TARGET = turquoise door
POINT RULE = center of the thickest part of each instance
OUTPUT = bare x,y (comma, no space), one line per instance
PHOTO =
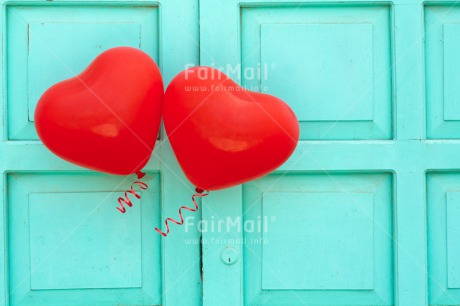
367,210
62,242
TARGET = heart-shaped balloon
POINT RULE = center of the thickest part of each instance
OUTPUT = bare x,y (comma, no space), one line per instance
222,134
106,118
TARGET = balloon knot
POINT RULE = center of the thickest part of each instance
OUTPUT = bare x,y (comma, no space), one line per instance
199,190
140,174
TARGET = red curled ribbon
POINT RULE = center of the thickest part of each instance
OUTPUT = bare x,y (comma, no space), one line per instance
200,193
126,200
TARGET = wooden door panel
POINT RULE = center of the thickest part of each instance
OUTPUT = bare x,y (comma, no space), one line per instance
443,208
330,63
323,238
442,65
64,239
49,43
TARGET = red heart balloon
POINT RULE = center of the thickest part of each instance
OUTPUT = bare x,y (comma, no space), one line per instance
222,134
106,118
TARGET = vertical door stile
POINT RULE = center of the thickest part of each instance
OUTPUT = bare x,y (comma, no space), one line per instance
181,263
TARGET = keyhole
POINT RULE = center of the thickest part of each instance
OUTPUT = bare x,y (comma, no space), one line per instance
229,255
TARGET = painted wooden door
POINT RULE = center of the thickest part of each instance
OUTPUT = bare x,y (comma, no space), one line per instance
61,240
367,210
